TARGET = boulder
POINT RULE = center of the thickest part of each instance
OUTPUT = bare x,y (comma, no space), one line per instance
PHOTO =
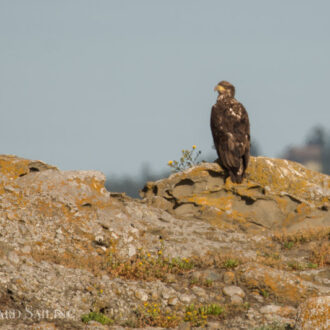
276,194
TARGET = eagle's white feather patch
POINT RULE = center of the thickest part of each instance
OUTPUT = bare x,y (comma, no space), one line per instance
234,114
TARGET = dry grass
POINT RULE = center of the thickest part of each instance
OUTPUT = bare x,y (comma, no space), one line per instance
94,264
314,242
220,261
320,254
273,260
144,266
151,314
289,240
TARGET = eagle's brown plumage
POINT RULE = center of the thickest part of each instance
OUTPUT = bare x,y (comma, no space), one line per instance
231,132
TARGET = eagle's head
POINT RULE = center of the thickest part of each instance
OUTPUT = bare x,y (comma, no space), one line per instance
225,88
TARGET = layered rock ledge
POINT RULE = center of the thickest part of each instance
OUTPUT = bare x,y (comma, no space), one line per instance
276,194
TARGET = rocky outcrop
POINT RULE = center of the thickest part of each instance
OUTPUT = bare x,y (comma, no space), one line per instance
195,250
277,194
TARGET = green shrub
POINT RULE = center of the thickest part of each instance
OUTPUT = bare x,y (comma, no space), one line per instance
98,317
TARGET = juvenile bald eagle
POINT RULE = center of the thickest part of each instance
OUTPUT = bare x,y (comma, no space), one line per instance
231,132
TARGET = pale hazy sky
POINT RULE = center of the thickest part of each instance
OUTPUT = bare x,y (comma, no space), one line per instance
110,85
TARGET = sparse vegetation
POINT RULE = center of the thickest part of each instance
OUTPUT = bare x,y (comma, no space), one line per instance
188,159
183,264
302,236
146,266
193,281
264,293
311,265
197,315
320,254
288,245
219,261
201,282
267,258
274,326
151,314
98,317
212,309
295,265
208,283
230,263
315,241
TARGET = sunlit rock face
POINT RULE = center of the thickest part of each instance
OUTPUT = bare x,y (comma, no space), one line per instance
275,194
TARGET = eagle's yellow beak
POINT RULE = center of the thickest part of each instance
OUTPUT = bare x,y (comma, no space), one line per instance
219,88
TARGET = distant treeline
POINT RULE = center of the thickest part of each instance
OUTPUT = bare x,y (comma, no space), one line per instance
319,136
132,185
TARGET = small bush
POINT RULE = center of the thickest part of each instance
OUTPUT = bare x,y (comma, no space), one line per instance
230,263
212,309
188,159
264,293
197,316
145,266
288,245
151,314
98,317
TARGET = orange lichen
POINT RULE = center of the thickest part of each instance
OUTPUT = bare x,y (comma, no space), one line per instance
285,286
222,203
303,208
13,167
314,313
282,203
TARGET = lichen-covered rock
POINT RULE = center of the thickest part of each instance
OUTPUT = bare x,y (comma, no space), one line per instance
314,314
12,167
68,247
283,311
281,284
279,314
275,194
233,291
